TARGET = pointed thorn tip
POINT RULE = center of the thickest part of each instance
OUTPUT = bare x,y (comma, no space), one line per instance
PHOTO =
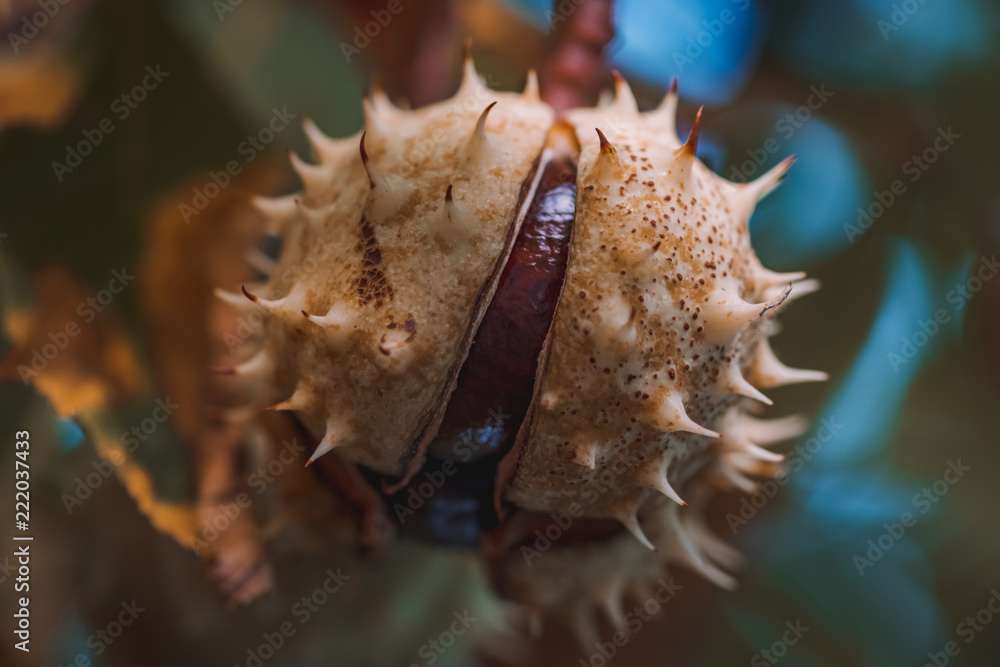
607,148
691,145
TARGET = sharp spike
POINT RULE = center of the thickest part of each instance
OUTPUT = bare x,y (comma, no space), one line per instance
314,177
735,479
745,463
690,146
672,416
735,438
316,217
606,148
299,400
237,301
768,371
376,121
735,383
292,302
798,290
769,431
725,315
654,477
711,545
764,279
325,148
249,295
608,157
631,524
624,99
331,440
381,104
278,211
692,557
531,87
337,318
479,142
764,185
758,452
471,84
313,133
451,215
666,113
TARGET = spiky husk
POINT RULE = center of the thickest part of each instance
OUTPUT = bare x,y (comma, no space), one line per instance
657,350
663,316
390,257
